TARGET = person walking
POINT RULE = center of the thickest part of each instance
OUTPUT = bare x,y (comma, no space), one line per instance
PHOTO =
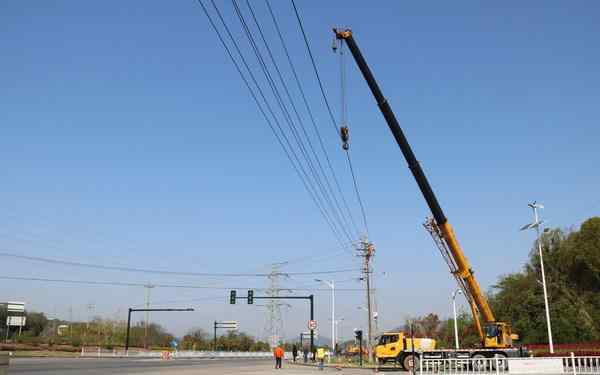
305,352
278,356
294,352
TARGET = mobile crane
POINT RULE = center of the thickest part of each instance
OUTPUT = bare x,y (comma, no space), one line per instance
496,337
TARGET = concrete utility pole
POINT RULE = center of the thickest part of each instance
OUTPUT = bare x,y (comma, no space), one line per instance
148,287
367,251
90,307
536,224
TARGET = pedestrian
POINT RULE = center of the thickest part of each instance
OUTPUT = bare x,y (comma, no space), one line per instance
278,356
294,352
305,352
321,358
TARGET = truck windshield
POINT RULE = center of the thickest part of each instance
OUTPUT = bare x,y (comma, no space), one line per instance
388,339
491,331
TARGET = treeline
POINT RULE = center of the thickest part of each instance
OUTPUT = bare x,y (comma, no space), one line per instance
572,268
198,339
98,332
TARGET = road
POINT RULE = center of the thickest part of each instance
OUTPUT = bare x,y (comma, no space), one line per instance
92,366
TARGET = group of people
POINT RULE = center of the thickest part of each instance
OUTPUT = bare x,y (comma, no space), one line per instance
279,354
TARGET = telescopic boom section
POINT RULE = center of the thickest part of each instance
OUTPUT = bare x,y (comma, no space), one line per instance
464,270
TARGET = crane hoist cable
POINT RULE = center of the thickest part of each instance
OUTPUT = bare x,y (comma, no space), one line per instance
344,129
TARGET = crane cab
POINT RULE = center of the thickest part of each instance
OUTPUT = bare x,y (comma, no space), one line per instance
498,335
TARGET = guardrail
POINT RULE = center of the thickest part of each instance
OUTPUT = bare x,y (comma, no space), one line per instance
546,365
132,353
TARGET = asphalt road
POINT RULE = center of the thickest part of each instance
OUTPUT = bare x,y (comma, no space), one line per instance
92,366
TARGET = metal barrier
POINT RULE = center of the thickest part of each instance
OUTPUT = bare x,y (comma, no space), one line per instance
134,353
496,365
547,365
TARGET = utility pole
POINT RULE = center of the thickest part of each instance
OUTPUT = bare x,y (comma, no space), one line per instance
71,322
90,307
148,287
366,250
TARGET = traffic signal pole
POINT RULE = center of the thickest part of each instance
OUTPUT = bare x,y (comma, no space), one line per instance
251,297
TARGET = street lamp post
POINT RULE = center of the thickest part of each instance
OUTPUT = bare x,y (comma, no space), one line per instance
536,224
332,286
457,291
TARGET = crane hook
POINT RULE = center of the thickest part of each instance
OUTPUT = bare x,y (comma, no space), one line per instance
345,135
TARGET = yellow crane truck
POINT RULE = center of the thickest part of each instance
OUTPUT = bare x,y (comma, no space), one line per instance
496,337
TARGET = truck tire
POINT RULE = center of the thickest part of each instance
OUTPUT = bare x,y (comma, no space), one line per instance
408,361
478,361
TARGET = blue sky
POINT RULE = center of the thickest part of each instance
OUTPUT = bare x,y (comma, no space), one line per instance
128,138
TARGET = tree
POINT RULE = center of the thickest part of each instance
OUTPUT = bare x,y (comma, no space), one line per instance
572,266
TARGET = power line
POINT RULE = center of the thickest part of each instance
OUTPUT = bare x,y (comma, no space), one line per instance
310,113
291,155
159,272
288,117
167,286
332,117
339,211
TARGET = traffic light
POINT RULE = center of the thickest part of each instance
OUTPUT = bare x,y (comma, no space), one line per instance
250,297
232,296
358,335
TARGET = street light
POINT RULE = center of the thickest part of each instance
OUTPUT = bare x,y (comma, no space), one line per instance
457,291
536,225
332,286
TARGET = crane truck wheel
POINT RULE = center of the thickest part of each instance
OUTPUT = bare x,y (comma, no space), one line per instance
409,361
478,361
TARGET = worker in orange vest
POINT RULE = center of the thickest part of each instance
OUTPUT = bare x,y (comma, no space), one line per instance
278,356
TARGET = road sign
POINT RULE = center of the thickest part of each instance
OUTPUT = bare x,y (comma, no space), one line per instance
227,324
312,325
15,321
15,306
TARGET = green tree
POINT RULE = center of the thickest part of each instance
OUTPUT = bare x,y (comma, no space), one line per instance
572,266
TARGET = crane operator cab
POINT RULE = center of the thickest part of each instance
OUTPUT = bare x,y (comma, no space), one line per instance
498,335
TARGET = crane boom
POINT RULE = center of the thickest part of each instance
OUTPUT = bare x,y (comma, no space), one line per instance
463,270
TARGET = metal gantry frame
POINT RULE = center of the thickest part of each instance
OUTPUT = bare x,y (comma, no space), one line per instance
310,298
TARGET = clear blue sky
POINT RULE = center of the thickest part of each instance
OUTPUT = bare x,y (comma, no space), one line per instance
128,138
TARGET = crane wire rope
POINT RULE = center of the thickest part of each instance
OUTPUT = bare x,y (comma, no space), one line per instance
291,155
301,122
311,115
288,117
332,117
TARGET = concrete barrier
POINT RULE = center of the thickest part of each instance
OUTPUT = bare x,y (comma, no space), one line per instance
4,360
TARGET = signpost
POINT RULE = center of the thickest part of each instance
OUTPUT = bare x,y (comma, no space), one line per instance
16,321
16,316
312,325
18,307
